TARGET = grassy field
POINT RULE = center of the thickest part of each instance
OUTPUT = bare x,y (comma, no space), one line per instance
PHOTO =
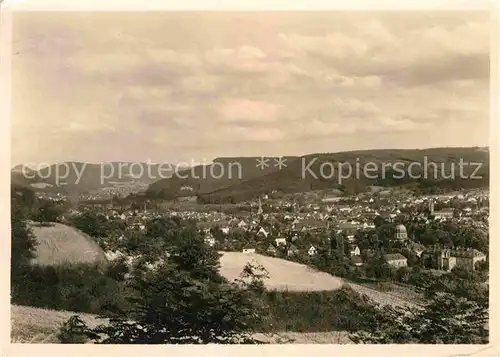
290,276
34,325
283,274
60,243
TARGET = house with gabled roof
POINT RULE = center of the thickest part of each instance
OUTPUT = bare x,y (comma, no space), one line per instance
271,250
417,248
310,224
262,232
354,250
312,251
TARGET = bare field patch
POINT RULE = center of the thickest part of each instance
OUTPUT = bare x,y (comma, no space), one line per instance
283,274
60,243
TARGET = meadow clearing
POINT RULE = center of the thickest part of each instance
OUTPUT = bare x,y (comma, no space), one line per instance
60,243
283,274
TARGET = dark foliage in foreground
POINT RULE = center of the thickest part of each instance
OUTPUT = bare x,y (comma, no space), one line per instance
445,319
186,301
338,310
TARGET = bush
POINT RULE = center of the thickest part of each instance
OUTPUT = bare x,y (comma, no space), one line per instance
80,287
75,331
318,311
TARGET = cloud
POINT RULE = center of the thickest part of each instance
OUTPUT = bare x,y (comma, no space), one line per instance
200,83
235,110
388,124
107,62
420,56
249,83
354,107
226,134
164,118
165,56
245,59
142,92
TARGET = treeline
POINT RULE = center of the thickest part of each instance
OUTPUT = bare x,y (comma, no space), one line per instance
73,287
44,211
319,311
351,186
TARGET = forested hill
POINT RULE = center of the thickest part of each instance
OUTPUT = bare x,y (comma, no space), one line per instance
314,171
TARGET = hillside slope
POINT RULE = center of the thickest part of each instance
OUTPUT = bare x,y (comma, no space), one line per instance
283,274
222,173
35,325
60,243
314,172
79,177
291,276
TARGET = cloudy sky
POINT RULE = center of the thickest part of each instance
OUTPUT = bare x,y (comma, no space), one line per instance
173,87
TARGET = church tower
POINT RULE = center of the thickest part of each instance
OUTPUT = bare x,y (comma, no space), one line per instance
260,210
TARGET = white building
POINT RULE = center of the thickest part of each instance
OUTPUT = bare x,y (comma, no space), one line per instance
312,251
280,241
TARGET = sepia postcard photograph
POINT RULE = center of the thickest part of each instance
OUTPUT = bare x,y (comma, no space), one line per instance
248,177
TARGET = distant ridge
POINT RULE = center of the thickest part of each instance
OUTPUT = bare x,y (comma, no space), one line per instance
73,176
222,173
290,178
242,177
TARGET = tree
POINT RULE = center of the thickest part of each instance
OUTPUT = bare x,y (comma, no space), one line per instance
75,331
193,255
162,227
185,300
92,224
411,256
23,244
386,234
173,307
118,269
252,276
446,319
379,221
22,200
403,274
377,267
47,212
482,266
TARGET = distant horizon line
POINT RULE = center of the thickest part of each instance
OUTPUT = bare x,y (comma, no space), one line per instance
250,157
